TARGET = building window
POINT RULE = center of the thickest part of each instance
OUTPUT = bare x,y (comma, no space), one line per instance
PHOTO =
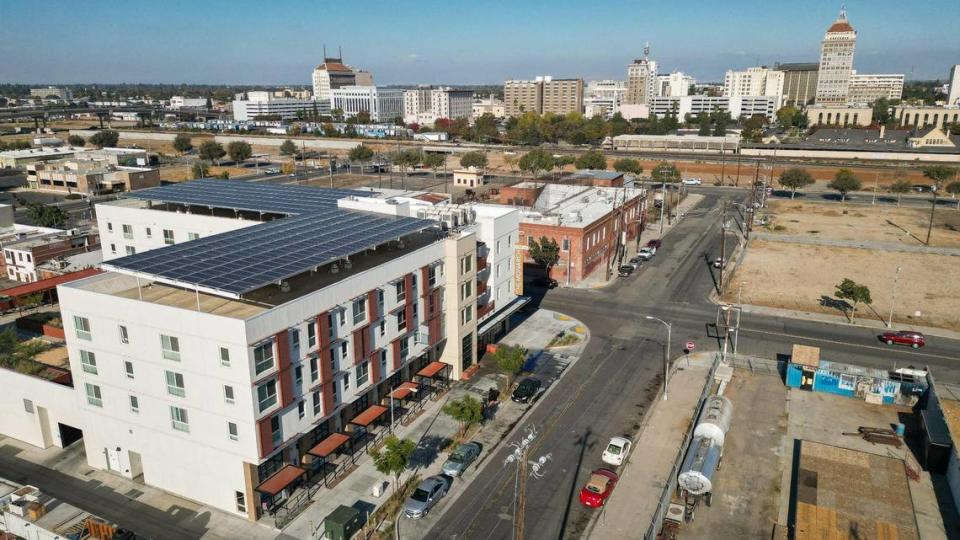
402,320
314,368
168,237
130,250
404,348
88,361
93,395
343,350
566,244
301,409
466,315
263,357
267,395
193,236
498,247
127,232
241,502
298,375
228,393
346,381
383,328
432,276
466,349
466,264
128,368
178,417
224,356
113,249
316,402
110,226
175,384
149,233
401,291
275,434
82,326
311,335
234,436
170,347
28,405
466,290
363,374
134,404
359,310
124,336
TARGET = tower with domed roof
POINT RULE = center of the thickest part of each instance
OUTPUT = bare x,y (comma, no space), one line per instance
836,62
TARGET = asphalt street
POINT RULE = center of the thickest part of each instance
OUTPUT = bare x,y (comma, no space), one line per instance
607,391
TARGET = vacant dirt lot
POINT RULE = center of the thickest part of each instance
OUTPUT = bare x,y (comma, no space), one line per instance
864,223
798,277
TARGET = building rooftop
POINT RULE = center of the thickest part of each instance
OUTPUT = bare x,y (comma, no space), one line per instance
798,66
600,175
572,205
43,151
893,140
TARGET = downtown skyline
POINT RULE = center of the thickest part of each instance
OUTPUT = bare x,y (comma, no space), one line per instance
217,43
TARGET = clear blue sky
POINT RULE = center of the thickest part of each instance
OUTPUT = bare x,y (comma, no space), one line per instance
453,41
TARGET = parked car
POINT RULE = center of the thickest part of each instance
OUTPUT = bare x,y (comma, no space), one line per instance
647,253
718,262
427,494
692,181
598,488
655,243
528,391
904,337
272,171
545,282
636,261
625,270
617,451
461,458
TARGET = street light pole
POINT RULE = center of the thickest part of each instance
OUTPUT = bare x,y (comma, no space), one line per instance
666,359
893,297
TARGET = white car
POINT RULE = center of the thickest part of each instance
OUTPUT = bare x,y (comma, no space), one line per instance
692,181
647,253
617,451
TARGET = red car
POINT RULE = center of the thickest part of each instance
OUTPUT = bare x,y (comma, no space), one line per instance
654,244
598,488
904,337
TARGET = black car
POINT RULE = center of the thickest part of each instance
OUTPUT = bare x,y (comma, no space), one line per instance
545,282
626,270
527,391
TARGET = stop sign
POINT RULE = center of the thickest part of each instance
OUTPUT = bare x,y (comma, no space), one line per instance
691,345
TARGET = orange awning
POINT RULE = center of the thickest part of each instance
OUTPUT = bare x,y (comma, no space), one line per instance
368,416
404,390
281,479
327,446
432,369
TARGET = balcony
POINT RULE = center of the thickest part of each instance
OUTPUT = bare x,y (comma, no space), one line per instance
484,310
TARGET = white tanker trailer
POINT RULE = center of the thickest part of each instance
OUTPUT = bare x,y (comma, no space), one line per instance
695,480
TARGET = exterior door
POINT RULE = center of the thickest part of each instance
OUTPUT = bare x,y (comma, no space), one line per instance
806,379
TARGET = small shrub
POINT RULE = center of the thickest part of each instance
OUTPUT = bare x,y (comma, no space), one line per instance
779,228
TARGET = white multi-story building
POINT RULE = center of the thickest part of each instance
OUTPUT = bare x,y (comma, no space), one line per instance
603,98
953,97
383,104
332,74
865,88
491,105
426,104
836,62
676,84
755,81
263,103
693,105
180,102
63,94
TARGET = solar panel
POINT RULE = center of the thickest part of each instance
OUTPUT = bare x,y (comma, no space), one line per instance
243,260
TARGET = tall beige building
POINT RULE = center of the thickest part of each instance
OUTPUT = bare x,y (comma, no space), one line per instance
641,81
799,82
836,62
543,95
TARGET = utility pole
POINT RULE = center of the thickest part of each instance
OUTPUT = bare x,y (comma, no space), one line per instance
666,359
723,247
663,202
518,457
736,183
933,209
893,297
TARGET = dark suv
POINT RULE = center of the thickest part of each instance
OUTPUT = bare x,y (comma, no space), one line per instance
527,391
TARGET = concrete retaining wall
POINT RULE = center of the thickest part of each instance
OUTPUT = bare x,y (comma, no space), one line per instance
51,403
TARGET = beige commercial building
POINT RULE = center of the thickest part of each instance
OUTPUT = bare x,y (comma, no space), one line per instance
836,62
543,95
641,82
842,116
89,177
799,82
865,88
921,116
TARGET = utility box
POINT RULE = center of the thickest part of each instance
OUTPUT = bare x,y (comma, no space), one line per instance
342,523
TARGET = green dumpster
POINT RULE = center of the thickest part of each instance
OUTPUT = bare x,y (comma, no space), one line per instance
342,523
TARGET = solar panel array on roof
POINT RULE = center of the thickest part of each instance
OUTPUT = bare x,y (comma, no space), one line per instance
240,261
248,196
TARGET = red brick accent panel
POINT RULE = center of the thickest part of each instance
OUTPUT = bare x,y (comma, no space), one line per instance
284,371
323,363
266,436
328,404
374,360
395,349
425,279
373,306
358,346
323,330
434,327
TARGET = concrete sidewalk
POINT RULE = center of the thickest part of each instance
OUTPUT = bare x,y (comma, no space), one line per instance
433,430
631,508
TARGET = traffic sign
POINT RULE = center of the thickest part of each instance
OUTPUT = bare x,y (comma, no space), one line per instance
691,345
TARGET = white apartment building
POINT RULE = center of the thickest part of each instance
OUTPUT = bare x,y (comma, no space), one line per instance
836,62
333,73
866,88
953,97
426,104
603,98
739,106
676,84
383,104
755,81
63,94
262,103
180,102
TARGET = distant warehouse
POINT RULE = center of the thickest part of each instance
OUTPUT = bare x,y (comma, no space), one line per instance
726,144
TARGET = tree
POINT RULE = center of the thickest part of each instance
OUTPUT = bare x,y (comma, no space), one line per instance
211,150
844,182
474,159
466,411
856,293
510,359
363,117
753,128
628,165
786,116
200,170
562,161
900,186
182,143
224,175
938,174
288,148
881,111
795,178
394,457
544,252
44,215
510,160
76,140
953,188
535,161
239,151
720,119
434,162
665,172
105,139
703,123
592,160
361,153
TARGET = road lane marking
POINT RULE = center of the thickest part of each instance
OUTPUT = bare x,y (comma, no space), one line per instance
906,351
